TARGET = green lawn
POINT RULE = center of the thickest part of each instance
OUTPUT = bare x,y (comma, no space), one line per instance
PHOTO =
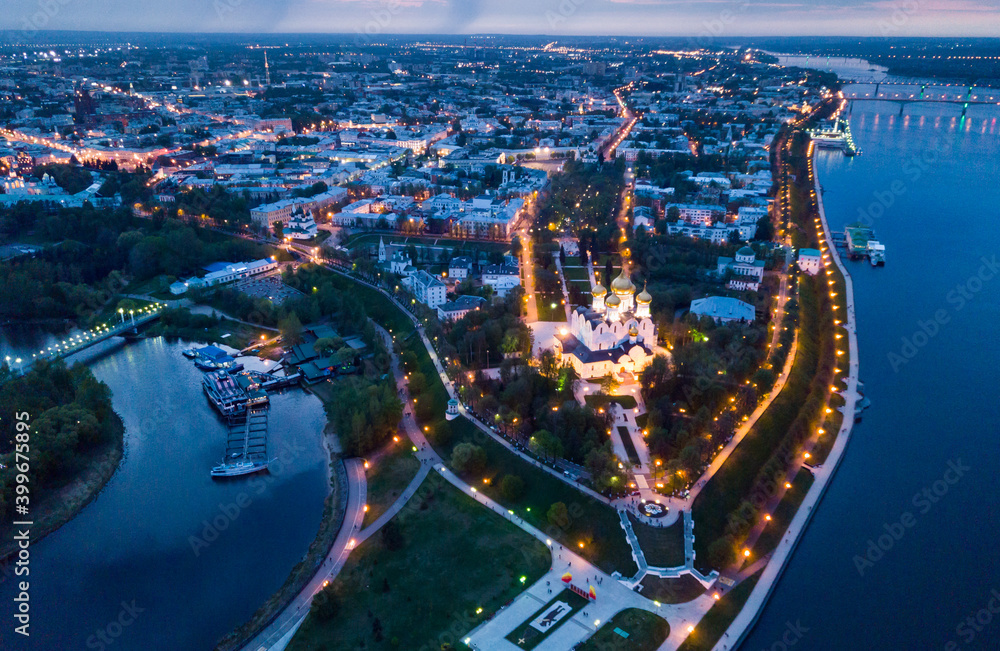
719,617
593,523
576,273
663,547
456,558
527,636
672,591
723,495
645,630
633,456
388,477
783,514
550,307
596,400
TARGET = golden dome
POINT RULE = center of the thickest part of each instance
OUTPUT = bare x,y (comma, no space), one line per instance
598,290
644,298
613,301
622,284
633,331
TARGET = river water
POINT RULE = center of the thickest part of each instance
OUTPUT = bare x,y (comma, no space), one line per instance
884,565
185,558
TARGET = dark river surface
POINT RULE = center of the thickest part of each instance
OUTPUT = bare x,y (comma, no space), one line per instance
185,557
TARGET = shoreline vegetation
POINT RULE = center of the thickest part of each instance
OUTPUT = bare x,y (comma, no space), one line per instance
74,445
64,503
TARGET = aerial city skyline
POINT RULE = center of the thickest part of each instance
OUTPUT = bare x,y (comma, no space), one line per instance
718,18
608,325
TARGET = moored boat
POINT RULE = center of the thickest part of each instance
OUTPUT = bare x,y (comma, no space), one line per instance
238,468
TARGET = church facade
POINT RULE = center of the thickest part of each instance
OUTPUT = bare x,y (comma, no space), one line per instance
615,335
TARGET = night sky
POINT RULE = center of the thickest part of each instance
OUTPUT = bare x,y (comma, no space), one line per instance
612,17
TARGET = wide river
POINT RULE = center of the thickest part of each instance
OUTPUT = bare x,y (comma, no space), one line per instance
186,558
903,547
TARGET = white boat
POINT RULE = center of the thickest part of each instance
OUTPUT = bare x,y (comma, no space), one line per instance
238,468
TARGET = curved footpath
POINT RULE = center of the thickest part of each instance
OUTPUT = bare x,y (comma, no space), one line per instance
747,617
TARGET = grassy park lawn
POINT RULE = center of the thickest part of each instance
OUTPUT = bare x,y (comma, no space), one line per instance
388,476
597,400
646,632
590,522
633,456
530,635
724,493
576,273
546,311
456,557
663,547
672,590
783,514
719,617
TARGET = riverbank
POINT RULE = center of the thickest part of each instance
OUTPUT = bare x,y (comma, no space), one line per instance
62,504
745,620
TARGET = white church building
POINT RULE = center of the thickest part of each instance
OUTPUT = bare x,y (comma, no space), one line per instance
615,335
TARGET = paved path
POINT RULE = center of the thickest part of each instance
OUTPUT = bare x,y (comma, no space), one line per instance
565,289
279,631
527,268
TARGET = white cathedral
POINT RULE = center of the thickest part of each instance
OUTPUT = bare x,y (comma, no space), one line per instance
615,335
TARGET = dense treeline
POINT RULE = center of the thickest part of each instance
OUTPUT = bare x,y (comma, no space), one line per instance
69,413
364,413
321,296
485,337
585,196
95,253
715,378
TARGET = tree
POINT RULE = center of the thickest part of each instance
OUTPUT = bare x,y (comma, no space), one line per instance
326,346
558,515
468,458
609,384
291,329
546,444
608,269
512,488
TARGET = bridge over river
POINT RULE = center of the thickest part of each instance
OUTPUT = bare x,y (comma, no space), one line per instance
128,325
